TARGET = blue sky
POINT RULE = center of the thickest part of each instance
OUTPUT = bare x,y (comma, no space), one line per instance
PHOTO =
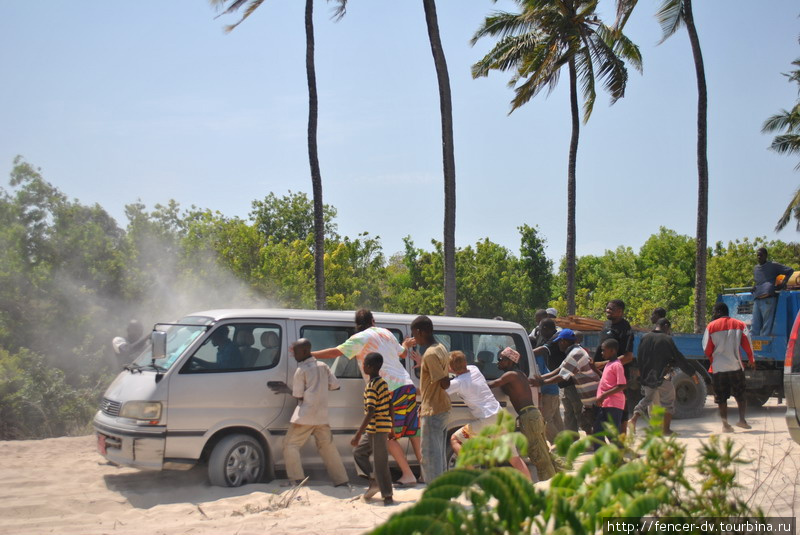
119,101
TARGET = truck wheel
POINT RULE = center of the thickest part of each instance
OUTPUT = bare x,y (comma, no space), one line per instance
236,460
757,398
690,398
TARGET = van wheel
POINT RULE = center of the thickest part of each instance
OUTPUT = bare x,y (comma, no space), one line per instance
235,461
690,398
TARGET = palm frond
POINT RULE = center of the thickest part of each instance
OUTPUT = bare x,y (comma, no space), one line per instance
252,5
339,10
501,24
793,208
506,54
624,10
786,144
670,17
786,120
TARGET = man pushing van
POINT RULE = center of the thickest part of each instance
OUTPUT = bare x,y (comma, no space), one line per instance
371,339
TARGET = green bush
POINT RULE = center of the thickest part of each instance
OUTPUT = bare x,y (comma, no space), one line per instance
623,478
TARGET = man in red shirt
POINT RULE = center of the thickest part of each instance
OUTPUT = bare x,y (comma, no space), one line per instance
723,342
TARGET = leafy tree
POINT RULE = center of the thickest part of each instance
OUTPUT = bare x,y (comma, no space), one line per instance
290,217
672,15
536,266
536,43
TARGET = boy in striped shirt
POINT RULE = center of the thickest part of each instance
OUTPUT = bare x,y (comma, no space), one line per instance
373,436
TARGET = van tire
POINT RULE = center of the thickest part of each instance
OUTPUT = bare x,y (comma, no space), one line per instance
757,398
690,398
236,460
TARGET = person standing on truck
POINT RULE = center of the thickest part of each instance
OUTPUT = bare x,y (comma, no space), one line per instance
765,300
312,381
367,339
434,380
723,342
656,356
618,328
514,383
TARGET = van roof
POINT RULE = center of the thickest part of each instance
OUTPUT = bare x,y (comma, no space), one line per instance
349,315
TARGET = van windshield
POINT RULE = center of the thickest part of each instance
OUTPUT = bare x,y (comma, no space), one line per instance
179,337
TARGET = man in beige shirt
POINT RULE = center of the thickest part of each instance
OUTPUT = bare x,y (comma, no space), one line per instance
312,380
434,409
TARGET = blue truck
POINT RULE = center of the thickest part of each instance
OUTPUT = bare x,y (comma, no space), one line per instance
769,352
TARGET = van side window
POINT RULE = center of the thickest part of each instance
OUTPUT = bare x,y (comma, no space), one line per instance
482,349
323,337
237,347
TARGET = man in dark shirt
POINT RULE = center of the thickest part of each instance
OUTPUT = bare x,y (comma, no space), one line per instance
554,356
655,358
618,328
764,297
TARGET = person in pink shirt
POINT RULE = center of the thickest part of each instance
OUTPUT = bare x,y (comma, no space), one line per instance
610,402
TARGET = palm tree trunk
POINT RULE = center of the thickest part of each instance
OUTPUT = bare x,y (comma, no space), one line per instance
448,157
573,158
701,255
313,159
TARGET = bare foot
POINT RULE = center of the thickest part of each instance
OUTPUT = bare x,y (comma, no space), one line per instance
726,427
372,490
743,424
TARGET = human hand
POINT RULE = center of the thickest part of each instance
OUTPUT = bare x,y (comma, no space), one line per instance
750,365
409,342
416,357
279,387
356,439
536,380
391,435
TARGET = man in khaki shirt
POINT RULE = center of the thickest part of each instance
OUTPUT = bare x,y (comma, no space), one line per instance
435,406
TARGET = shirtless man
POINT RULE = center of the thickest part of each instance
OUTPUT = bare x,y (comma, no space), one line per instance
514,384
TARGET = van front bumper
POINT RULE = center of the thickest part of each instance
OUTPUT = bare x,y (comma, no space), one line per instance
130,445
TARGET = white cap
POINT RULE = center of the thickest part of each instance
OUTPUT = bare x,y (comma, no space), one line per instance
552,312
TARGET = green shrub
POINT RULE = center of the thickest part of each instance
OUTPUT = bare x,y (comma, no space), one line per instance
623,478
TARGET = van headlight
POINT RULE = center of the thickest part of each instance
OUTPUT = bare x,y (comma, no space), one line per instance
142,410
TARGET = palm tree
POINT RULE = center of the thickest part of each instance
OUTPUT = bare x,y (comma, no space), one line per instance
672,15
788,142
448,157
448,151
536,43
313,158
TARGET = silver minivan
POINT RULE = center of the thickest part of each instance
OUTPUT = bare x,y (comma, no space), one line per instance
176,405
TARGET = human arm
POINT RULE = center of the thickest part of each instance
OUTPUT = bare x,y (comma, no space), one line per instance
330,353
370,412
390,436
607,393
747,348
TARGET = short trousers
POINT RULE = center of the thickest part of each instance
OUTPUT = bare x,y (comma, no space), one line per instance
474,428
406,411
727,384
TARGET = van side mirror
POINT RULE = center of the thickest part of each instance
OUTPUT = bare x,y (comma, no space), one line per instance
159,340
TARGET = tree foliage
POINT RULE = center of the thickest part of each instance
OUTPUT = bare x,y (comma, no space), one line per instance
71,278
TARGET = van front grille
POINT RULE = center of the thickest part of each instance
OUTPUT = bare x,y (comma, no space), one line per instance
110,408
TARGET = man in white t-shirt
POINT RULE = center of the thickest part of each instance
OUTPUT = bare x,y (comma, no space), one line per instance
371,339
470,384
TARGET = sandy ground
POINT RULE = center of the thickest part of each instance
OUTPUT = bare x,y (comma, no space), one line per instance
63,486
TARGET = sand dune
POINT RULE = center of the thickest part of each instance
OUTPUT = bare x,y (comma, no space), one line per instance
63,486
